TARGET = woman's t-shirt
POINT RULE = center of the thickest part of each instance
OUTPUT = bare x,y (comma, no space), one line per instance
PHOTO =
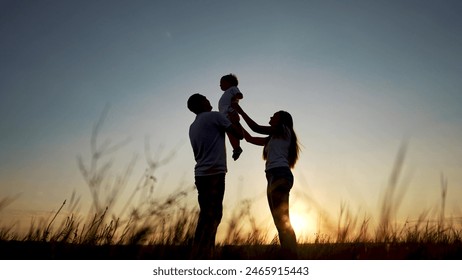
278,151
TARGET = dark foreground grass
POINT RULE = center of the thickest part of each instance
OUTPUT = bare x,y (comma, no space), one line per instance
21,250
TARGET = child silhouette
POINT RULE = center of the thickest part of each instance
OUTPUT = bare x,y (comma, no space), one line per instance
231,94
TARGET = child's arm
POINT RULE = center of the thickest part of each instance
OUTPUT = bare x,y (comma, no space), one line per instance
236,97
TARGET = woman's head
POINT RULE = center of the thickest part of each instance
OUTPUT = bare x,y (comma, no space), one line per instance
280,119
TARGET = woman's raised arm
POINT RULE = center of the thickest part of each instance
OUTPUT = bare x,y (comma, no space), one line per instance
259,141
251,123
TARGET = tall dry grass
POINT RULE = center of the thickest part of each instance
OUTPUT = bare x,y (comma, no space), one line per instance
425,229
147,219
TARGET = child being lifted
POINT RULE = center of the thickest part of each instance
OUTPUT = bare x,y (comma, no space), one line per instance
231,94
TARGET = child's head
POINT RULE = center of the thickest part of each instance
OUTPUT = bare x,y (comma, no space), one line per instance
228,81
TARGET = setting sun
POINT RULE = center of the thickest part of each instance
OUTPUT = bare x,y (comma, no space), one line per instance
301,223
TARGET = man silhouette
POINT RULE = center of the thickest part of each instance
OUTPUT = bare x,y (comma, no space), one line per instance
207,136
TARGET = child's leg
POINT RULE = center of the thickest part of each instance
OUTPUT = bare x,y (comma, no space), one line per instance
235,143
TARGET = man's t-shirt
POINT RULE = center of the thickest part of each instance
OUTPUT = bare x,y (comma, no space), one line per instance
207,136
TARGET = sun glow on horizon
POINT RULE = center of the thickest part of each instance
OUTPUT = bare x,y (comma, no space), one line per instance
302,223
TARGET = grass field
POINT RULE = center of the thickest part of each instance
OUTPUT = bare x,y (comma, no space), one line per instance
163,229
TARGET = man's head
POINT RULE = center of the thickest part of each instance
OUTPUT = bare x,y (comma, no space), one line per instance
197,103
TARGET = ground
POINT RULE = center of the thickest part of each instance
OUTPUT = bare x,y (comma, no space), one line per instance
16,250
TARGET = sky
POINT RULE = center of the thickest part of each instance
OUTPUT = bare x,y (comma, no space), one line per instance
360,78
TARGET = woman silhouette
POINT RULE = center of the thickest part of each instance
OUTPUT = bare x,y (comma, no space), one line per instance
281,150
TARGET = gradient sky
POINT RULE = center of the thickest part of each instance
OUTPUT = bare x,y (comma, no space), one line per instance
359,78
